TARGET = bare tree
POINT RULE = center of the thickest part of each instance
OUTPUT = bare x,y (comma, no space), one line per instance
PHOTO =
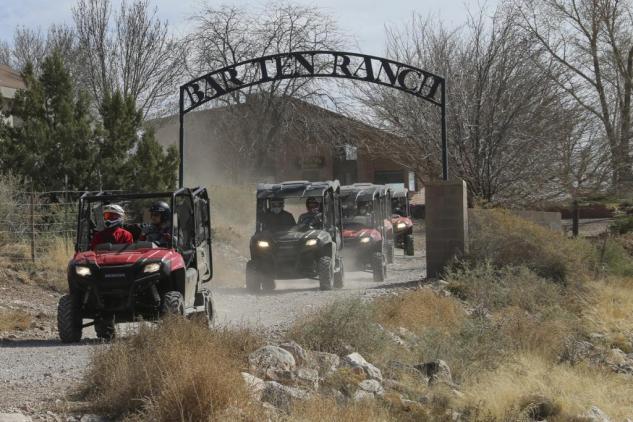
131,52
32,46
589,47
503,114
226,35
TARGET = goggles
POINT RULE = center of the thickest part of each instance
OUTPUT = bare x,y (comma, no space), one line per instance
111,216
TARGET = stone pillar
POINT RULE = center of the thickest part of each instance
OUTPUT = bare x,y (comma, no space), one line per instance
446,224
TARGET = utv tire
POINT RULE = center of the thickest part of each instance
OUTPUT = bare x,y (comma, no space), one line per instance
253,283
408,245
339,275
105,328
379,267
206,317
69,321
326,273
173,304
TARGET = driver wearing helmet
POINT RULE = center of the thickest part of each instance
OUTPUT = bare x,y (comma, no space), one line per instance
113,216
278,219
159,231
314,216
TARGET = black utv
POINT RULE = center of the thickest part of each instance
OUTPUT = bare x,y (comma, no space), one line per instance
367,229
298,234
144,279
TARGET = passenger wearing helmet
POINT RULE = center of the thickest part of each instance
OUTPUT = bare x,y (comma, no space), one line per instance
277,219
313,218
159,231
113,216
363,213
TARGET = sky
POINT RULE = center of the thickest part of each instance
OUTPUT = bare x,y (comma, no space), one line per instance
362,20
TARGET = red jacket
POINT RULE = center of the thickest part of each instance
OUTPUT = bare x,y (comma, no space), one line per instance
116,235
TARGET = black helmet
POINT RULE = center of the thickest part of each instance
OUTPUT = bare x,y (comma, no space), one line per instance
313,200
162,208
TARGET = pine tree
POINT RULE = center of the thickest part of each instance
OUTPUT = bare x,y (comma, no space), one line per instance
130,158
53,143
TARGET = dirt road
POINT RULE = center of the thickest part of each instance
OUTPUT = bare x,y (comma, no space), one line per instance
34,372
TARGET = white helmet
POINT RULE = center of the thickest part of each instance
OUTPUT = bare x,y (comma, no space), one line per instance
113,215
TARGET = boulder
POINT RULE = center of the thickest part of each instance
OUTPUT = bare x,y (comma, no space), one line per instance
282,396
14,417
596,415
362,395
355,360
437,371
371,386
306,377
93,418
255,385
272,362
298,353
324,363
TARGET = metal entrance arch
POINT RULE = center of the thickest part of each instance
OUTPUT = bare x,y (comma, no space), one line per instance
313,64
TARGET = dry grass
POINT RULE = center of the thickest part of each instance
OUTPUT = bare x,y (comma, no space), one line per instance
12,320
573,390
327,410
504,239
420,310
610,311
176,371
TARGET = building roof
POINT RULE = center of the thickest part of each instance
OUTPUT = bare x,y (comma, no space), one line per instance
295,189
10,78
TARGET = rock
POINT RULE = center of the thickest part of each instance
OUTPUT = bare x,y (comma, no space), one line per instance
362,395
596,415
617,357
272,362
324,363
355,360
298,353
255,385
371,386
282,396
14,417
93,418
308,378
395,386
437,371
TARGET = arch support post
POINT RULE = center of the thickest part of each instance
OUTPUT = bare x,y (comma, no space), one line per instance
446,220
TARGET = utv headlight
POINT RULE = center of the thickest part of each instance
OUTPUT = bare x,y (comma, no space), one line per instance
263,244
401,226
311,242
151,268
365,239
82,271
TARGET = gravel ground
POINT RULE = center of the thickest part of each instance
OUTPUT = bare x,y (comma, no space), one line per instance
36,370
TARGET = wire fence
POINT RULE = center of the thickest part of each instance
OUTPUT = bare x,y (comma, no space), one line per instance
35,225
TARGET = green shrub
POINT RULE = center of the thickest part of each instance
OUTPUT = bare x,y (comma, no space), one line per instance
503,239
343,326
622,225
614,258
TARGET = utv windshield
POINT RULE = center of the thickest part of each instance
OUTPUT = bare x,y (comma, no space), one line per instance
146,229
285,214
357,211
399,206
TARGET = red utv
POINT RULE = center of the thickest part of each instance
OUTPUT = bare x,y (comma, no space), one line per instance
401,220
367,230
143,280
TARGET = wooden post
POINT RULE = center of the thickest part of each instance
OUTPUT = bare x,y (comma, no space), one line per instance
32,211
575,217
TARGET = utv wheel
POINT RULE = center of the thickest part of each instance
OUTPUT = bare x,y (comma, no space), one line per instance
253,283
326,273
105,328
207,316
408,245
268,283
339,275
69,321
379,267
173,304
